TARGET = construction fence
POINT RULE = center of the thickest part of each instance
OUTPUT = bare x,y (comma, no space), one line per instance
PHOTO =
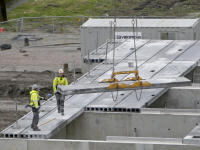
45,31
41,31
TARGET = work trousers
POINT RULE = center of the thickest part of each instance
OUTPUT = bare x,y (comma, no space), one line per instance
60,102
35,117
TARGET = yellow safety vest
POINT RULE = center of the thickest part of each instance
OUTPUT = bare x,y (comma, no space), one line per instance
59,81
34,100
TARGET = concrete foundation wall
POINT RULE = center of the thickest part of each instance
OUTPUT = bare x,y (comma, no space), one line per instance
85,67
179,98
62,134
99,125
14,144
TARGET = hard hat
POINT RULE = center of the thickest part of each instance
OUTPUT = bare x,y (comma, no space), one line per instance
61,71
35,86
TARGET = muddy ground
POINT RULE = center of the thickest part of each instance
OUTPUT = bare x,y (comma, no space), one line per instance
7,117
18,84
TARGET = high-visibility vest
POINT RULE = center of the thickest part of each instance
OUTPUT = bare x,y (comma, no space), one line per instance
34,100
59,81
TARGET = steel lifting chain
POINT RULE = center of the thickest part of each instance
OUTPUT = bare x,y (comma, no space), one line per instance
135,48
114,23
133,23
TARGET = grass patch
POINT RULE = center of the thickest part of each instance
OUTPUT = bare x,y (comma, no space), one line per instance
38,8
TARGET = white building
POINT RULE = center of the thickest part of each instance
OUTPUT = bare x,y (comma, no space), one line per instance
95,32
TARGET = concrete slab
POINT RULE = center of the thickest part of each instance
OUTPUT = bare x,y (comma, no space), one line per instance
177,68
122,50
151,49
150,67
103,87
49,129
174,50
139,99
147,56
192,54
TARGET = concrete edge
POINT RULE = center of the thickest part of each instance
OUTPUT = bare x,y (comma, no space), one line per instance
162,111
145,140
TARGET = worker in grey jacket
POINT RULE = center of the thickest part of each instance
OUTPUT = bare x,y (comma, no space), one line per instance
35,105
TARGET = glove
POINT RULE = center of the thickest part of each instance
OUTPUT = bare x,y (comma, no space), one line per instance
49,95
27,106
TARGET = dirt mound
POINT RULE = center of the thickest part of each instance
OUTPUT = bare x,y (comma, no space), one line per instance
19,84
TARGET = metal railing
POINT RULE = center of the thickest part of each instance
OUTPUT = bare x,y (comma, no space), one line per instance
41,31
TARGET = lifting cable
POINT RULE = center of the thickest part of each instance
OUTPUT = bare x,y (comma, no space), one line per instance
133,23
114,23
134,37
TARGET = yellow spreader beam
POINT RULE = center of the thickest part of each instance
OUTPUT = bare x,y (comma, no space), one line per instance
134,85
116,85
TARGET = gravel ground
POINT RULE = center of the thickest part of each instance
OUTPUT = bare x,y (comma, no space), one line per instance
8,116
40,59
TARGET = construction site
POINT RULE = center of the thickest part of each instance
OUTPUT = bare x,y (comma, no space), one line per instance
133,83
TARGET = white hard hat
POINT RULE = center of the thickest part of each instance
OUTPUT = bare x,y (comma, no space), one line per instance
35,86
61,71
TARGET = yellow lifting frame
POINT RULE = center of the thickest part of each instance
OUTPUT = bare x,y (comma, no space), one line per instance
113,79
123,86
116,85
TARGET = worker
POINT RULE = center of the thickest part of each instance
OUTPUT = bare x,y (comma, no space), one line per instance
60,80
35,105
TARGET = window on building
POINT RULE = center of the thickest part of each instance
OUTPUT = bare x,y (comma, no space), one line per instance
168,36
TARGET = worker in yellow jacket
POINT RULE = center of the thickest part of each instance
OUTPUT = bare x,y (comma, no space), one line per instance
60,80
35,105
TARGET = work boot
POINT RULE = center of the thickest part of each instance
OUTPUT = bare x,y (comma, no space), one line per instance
62,113
58,111
32,126
36,129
